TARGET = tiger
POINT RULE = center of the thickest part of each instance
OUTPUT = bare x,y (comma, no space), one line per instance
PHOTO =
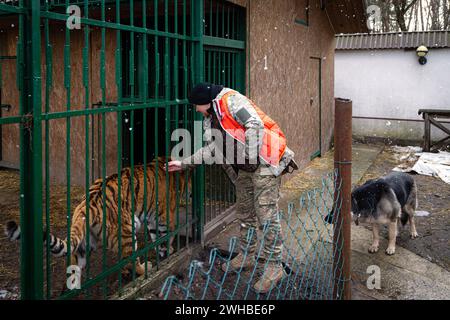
58,247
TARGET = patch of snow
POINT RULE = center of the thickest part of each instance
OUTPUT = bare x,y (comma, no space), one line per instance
431,164
422,213
408,149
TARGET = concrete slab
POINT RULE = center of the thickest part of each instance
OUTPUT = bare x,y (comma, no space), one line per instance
404,276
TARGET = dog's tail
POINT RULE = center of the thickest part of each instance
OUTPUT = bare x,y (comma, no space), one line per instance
404,218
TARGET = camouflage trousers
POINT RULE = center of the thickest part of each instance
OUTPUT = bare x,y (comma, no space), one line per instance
257,196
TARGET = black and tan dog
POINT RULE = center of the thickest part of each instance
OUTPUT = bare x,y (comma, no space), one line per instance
385,201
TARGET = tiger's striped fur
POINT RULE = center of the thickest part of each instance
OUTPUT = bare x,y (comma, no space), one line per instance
58,246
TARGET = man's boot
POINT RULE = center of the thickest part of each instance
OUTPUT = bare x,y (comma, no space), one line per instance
242,260
272,275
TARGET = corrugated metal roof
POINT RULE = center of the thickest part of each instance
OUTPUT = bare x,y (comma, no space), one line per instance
393,40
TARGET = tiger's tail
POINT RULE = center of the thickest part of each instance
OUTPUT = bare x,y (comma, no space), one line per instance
58,247
12,231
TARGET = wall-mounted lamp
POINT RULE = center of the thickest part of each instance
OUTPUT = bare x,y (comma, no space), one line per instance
422,52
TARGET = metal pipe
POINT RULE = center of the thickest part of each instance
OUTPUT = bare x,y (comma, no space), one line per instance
342,225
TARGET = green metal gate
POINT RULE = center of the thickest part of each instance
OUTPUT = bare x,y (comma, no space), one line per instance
112,92
224,51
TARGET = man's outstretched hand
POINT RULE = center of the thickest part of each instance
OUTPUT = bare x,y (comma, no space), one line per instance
174,166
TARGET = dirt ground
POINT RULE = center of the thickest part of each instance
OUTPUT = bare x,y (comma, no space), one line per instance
10,251
211,283
433,243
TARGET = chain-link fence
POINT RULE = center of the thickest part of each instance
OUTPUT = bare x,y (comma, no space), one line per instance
311,257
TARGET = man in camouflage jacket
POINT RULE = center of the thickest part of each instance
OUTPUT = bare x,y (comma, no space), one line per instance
257,182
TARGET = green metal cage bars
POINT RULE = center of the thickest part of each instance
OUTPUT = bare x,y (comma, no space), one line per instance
161,49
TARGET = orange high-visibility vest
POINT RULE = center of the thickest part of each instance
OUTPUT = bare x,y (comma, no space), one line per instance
274,140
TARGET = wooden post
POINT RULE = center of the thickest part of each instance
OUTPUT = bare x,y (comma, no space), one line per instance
342,225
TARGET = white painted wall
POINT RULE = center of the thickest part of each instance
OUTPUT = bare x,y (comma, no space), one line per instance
392,84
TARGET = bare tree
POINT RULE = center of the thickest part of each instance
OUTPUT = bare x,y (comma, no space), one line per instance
421,15
435,5
446,15
413,15
401,8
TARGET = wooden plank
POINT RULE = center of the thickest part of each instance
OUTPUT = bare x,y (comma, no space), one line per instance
439,126
440,142
435,112
213,227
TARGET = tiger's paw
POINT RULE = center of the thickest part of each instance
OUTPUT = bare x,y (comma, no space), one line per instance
143,268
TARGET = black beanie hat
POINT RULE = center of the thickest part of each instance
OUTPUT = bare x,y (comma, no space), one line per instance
204,93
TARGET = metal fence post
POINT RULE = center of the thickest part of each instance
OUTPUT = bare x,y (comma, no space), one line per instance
31,266
198,69
342,225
